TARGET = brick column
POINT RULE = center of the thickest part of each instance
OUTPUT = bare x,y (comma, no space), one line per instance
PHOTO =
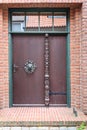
75,42
76,56
84,57
5,59
1,59
4,84
72,41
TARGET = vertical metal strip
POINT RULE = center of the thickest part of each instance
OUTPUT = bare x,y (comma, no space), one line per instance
25,20
38,21
10,61
46,71
52,21
68,60
10,22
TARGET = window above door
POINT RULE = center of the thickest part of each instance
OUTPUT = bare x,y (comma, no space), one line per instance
38,21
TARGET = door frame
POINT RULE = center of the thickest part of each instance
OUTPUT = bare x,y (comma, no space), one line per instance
67,33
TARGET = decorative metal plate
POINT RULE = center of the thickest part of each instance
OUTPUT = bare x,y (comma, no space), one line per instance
30,67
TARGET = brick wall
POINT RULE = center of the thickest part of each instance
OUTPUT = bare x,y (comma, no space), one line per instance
84,58
4,84
78,48
75,41
1,59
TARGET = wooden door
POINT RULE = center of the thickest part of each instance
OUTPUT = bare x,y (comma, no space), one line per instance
58,86
28,88
49,55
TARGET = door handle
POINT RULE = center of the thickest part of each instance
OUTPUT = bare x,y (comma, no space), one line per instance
29,67
15,67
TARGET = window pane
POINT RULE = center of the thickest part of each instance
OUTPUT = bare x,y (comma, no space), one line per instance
18,21
60,21
31,22
45,21
39,21
16,26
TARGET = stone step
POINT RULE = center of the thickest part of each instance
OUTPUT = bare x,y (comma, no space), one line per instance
38,128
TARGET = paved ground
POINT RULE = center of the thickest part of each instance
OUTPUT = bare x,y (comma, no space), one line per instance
40,116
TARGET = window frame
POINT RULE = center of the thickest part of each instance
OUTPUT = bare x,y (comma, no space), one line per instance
38,10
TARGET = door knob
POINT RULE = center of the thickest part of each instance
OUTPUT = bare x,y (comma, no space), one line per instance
30,66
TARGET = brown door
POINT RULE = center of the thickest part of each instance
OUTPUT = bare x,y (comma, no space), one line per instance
29,88
57,69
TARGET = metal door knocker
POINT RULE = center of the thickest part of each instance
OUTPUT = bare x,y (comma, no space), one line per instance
30,66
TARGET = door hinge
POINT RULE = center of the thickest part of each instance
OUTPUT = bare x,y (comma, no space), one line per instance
57,93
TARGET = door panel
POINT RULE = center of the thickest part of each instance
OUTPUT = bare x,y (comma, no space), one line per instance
28,88
57,69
